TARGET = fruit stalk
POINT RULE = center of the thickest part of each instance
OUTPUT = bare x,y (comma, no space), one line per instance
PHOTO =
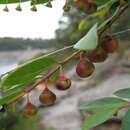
44,77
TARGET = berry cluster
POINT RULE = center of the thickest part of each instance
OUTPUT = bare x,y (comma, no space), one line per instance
84,69
47,97
86,6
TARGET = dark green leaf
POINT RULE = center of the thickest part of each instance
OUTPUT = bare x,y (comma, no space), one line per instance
17,1
10,97
98,118
125,93
103,1
89,41
126,121
107,102
12,89
27,72
106,24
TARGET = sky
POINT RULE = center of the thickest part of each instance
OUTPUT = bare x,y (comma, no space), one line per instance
28,24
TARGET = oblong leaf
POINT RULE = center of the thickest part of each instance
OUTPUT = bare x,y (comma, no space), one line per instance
98,118
107,102
89,41
17,1
126,121
125,93
104,1
27,72
10,97
12,89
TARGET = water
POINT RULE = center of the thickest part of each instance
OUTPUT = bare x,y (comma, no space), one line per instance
7,67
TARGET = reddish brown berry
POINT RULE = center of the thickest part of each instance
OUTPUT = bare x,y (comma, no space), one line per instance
123,3
86,6
49,4
85,68
30,110
63,83
109,44
98,55
47,97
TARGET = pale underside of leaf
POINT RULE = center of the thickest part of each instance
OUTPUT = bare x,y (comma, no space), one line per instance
89,41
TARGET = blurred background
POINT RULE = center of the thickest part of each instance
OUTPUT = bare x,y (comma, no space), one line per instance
27,35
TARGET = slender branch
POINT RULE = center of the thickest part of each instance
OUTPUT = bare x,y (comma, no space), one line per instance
44,77
121,32
125,106
65,48
57,68
103,27
52,53
57,51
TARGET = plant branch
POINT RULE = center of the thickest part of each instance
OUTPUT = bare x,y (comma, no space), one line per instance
44,77
125,106
103,27
121,32
52,53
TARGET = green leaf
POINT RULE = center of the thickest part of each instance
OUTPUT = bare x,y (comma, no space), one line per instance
101,1
106,24
26,72
10,97
104,9
89,41
104,1
12,89
126,121
98,118
84,25
17,1
125,93
39,1
107,102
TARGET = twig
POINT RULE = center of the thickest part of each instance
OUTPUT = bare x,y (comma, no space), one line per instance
67,47
125,106
121,32
52,53
44,77
103,27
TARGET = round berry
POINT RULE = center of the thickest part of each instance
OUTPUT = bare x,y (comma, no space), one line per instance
30,110
63,83
86,6
85,68
47,97
97,55
109,44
